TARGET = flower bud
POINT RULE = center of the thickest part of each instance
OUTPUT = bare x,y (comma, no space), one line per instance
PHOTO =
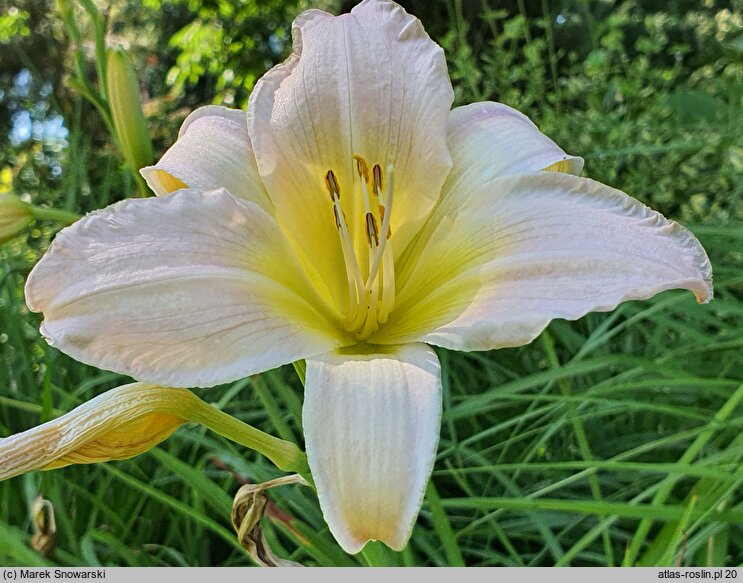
15,215
63,7
125,422
126,111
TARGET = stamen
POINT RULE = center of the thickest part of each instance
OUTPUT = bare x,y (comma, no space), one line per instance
332,185
335,214
371,293
363,172
377,180
353,272
362,168
374,267
356,299
370,299
372,231
381,214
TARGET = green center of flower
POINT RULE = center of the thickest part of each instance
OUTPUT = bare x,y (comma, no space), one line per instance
371,290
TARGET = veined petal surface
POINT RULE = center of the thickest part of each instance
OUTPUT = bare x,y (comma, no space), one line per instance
516,253
488,140
192,289
213,150
116,425
371,424
370,83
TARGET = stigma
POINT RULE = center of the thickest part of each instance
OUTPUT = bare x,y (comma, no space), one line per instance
364,243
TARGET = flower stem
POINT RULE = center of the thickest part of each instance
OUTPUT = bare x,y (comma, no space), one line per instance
56,215
284,454
377,555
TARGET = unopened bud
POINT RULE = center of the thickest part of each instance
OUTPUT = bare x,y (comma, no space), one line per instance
63,6
126,111
15,215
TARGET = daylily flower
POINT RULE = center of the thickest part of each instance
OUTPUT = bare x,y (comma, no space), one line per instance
351,219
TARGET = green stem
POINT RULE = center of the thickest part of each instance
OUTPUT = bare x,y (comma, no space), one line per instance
99,24
284,454
80,80
24,406
547,16
56,215
87,91
376,554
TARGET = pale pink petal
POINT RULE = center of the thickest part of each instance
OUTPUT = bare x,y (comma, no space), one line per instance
370,83
371,424
495,265
213,150
488,140
192,289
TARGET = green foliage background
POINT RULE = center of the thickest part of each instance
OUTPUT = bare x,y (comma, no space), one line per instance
611,440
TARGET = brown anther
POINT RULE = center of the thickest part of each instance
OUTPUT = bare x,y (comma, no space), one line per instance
377,180
372,231
332,185
361,167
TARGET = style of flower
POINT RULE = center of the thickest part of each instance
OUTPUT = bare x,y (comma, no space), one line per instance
351,219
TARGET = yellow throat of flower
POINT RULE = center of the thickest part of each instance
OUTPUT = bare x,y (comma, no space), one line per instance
368,259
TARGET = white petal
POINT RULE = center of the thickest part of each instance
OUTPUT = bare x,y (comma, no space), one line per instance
192,289
369,83
371,425
504,260
213,150
488,140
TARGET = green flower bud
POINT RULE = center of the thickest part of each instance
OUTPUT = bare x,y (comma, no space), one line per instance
63,7
126,111
15,215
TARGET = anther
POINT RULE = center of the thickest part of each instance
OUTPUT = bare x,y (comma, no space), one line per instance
372,231
362,168
332,185
374,267
377,180
371,297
